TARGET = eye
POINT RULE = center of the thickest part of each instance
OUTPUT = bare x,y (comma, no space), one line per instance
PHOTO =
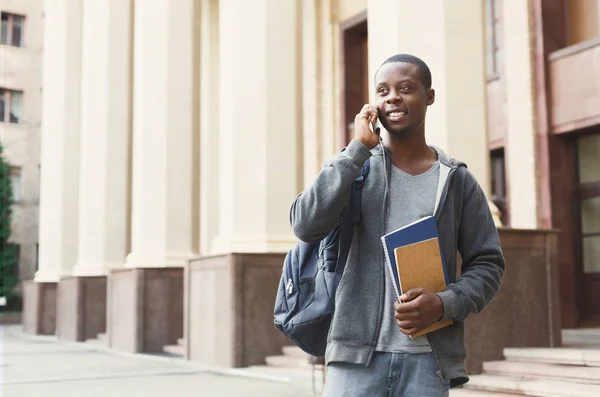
404,88
382,90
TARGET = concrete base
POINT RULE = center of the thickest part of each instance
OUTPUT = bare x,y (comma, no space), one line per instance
526,311
81,308
145,308
39,308
229,309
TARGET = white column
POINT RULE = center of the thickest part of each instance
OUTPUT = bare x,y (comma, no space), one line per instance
163,128
520,115
105,135
449,37
209,124
60,140
260,115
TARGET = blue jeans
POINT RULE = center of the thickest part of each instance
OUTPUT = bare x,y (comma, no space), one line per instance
388,375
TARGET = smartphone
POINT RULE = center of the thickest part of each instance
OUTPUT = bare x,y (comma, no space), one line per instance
375,127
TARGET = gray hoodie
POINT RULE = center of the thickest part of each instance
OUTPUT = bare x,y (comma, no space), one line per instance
465,225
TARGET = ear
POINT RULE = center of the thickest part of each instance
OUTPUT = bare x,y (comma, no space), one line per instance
430,97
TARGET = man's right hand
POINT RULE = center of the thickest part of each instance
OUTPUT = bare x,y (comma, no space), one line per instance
362,129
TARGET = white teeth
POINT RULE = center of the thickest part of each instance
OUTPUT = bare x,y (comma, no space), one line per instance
394,114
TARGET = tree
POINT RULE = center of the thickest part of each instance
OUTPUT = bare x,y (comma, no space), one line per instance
8,255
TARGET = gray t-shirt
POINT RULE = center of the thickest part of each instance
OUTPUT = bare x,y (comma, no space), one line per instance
411,197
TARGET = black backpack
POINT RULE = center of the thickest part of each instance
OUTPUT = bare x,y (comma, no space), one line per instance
310,276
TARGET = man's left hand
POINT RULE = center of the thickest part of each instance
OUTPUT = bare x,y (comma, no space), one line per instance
420,309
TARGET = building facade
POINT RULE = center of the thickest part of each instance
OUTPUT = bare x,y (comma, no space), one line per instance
543,126
178,131
21,39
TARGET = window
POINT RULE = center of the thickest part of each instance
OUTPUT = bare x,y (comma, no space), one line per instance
10,105
492,34
588,236
588,150
15,179
11,30
499,184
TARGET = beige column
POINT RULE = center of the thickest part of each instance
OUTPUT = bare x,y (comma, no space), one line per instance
259,120
209,124
311,90
105,135
520,115
330,83
163,140
449,37
59,189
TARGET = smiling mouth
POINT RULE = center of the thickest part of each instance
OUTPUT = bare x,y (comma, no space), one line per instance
396,114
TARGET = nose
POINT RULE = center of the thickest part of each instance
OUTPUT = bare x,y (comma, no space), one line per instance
393,96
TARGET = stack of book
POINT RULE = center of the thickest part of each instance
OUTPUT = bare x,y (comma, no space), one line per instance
414,260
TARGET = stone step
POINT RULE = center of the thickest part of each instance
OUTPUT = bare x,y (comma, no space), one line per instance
97,342
176,350
287,362
527,370
563,356
591,332
581,338
294,351
462,392
531,387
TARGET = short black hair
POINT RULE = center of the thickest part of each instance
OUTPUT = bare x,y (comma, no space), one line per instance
418,62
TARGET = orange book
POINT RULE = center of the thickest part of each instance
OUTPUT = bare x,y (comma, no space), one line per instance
420,265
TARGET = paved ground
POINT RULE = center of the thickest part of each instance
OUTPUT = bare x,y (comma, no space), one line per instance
45,367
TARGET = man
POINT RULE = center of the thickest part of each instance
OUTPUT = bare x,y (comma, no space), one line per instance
369,352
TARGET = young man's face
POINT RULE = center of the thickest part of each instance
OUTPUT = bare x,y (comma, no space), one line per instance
401,98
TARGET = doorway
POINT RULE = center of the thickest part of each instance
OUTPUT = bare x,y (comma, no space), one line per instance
354,70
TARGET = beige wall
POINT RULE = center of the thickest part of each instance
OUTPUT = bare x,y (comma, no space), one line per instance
21,69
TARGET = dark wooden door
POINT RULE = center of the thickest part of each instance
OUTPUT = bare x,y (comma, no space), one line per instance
588,164
355,84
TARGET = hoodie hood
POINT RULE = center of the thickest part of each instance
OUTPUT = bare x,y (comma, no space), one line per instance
443,157
447,168
447,160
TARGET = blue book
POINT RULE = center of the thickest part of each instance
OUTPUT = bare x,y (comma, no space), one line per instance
421,230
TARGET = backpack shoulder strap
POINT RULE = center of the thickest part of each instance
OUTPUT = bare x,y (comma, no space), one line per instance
356,196
354,208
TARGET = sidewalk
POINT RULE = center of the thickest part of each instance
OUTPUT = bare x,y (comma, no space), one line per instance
34,366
